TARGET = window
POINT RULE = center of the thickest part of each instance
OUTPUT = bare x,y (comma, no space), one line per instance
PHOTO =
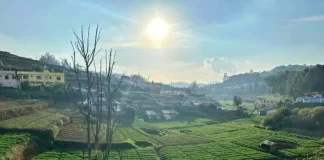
14,76
58,78
25,77
39,77
6,77
50,77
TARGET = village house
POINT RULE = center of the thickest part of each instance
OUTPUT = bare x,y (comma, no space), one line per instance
49,75
270,146
9,79
266,111
314,97
151,115
169,114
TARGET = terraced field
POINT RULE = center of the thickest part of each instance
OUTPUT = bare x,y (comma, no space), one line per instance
7,141
76,131
131,154
200,139
39,120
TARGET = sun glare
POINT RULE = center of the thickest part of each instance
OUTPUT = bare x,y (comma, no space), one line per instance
157,29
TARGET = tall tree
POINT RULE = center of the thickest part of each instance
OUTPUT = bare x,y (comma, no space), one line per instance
194,86
111,94
1,64
88,56
49,59
237,101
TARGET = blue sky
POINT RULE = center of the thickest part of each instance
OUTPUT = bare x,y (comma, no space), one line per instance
205,38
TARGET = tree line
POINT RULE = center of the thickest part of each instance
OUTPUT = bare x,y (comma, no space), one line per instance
297,83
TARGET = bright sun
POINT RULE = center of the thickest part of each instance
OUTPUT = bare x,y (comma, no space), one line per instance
157,29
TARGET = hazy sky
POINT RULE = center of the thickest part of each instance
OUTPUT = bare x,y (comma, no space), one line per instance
205,38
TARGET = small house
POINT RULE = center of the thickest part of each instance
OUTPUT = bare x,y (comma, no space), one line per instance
151,115
9,79
270,146
310,100
169,114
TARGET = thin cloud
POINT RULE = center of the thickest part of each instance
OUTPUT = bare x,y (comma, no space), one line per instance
316,18
102,10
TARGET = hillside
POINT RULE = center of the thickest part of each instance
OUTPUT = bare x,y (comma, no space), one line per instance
247,85
13,61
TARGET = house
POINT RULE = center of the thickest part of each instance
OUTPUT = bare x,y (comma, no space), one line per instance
310,100
151,115
46,77
169,114
266,111
9,79
270,146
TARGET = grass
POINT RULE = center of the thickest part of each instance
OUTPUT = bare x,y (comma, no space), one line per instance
229,105
76,131
181,138
182,124
273,97
8,141
130,154
39,120
12,109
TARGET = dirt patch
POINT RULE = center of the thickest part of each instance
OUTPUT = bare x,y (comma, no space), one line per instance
16,152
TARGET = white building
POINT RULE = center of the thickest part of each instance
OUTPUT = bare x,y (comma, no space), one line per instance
9,79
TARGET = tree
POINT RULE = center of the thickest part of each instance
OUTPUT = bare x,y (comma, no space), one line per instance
225,78
237,101
84,104
49,59
1,64
111,92
194,86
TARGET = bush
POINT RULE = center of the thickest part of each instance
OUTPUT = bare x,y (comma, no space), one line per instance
307,118
14,93
143,143
128,117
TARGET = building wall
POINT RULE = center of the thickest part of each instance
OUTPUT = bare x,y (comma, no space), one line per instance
41,78
9,79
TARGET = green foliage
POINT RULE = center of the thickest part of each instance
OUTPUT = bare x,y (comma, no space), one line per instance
25,85
14,93
128,116
237,101
296,83
37,68
307,118
10,140
49,59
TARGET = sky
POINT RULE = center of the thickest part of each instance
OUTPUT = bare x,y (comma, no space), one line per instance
205,39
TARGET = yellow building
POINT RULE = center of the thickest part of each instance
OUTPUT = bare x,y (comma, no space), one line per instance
41,78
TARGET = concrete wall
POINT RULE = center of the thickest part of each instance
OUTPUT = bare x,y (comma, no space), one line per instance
9,79
41,78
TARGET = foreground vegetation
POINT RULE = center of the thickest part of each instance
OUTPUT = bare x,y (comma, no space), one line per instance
184,137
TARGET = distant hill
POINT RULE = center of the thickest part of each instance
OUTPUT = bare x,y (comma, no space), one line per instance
13,61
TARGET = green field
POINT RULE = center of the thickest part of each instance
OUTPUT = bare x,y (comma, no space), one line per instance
199,138
229,105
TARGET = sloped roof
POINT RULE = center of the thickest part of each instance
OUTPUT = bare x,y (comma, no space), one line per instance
150,113
169,112
269,143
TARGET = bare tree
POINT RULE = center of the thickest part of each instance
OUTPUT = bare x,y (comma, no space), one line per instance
105,92
112,121
88,55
